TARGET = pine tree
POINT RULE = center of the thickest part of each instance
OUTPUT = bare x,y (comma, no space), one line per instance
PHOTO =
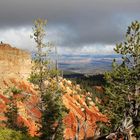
122,92
12,111
46,78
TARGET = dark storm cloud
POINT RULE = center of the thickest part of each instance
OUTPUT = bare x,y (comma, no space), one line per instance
87,21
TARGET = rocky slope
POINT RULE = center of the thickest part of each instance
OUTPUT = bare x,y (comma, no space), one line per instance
82,109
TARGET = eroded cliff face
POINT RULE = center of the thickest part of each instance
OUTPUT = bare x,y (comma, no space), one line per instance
82,111
14,62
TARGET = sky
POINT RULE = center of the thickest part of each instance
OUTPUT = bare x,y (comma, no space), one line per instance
74,26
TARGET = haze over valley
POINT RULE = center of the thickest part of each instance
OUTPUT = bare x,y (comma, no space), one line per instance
87,64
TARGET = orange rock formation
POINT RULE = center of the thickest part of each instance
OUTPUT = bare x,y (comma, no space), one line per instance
86,113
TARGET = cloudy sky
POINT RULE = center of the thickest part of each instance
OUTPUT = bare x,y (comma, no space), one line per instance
75,26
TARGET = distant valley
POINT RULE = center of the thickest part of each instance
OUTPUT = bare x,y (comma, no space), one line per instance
87,64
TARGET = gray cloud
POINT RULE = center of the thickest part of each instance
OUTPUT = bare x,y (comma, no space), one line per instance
77,22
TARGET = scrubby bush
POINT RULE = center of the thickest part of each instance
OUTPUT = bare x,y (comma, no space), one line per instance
9,134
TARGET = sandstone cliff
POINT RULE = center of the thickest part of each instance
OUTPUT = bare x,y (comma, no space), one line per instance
14,62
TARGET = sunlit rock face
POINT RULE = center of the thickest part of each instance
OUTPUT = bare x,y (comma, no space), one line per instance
83,113
14,62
